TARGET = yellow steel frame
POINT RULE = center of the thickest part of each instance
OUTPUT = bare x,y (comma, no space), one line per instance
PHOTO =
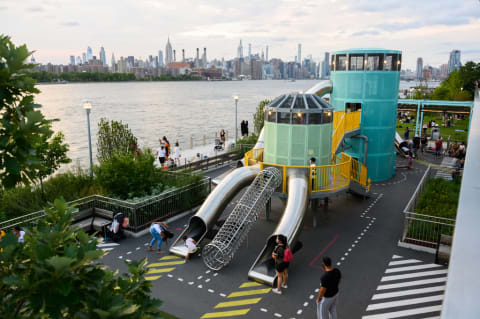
344,122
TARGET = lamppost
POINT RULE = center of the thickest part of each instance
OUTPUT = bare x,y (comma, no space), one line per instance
87,105
235,97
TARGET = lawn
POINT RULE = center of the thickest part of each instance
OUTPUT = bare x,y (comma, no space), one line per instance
444,131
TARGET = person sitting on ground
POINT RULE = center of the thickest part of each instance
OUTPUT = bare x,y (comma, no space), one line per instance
19,233
191,246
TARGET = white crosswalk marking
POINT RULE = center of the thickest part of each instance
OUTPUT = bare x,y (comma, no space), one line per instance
405,294
107,246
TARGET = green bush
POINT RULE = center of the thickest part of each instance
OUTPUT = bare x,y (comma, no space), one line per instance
440,198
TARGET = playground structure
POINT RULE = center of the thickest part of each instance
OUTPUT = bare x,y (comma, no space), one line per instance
352,140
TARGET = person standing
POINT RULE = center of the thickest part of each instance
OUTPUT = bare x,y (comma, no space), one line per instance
19,233
280,266
246,128
424,142
157,231
438,147
406,134
314,171
222,137
161,155
176,154
328,295
167,147
242,127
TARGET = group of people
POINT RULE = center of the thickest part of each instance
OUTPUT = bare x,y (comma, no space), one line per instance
244,128
165,156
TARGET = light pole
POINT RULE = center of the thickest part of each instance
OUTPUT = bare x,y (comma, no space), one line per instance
87,105
235,97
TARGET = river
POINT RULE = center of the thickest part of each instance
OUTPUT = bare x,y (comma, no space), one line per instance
179,110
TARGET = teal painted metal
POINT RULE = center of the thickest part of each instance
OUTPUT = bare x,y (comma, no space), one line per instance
377,91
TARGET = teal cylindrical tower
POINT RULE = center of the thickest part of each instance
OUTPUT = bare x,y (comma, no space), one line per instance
297,127
368,79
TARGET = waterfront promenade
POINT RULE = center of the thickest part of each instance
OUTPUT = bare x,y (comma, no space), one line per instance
379,278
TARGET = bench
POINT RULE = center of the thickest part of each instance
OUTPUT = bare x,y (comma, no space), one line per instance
444,249
92,219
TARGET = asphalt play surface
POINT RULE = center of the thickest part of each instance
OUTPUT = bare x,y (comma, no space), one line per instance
360,235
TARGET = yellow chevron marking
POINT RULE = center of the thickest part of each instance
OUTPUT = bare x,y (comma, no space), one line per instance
242,302
159,270
250,284
168,263
249,292
170,257
151,278
222,314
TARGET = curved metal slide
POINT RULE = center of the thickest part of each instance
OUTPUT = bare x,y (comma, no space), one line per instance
263,269
214,205
321,88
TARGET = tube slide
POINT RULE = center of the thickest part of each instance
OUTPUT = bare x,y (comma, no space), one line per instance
321,88
263,269
214,205
398,142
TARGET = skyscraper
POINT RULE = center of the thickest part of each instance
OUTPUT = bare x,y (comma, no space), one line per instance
454,61
266,54
32,59
168,53
72,60
249,51
183,55
103,58
160,58
299,53
84,58
197,60
419,68
89,54
79,60
204,58
240,50
113,63
326,66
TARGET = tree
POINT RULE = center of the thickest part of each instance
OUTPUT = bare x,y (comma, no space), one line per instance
114,138
56,274
470,73
52,152
22,126
452,89
259,116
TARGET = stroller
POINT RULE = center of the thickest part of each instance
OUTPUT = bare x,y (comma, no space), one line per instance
115,230
218,145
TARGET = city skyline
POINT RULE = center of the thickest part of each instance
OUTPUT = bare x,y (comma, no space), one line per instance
68,26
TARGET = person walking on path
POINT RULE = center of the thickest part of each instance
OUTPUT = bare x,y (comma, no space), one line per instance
161,155
157,230
406,134
19,233
328,294
278,255
191,245
177,154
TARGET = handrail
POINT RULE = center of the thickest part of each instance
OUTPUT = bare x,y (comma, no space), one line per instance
342,123
324,178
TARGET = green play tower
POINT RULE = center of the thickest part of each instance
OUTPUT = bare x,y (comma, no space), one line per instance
297,127
368,80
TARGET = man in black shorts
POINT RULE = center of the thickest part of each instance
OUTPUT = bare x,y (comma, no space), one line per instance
328,294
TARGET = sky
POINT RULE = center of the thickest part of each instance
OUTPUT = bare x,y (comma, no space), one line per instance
56,29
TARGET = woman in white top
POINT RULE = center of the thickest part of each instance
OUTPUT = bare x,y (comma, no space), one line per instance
19,233
176,154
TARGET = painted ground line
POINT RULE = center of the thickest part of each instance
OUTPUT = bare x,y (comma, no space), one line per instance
207,280
263,309
277,315
138,248
404,313
199,277
396,257
408,292
249,292
299,311
223,295
151,278
180,279
107,245
223,314
236,303
312,263
250,284
128,260
405,302
413,283
159,270
416,274
211,291
200,286
128,253
170,276
107,249
409,268
170,257
168,263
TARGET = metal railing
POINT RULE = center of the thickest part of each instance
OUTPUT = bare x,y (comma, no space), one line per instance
324,178
342,123
424,230
140,214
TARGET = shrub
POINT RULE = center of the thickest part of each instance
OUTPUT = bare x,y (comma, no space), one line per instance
440,198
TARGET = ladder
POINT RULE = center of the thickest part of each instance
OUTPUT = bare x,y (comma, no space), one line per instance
220,251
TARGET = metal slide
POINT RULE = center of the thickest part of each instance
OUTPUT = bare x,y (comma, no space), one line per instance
220,251
398,141
321,88
214,205
263,269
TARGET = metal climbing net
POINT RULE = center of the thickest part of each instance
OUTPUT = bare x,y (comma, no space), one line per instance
220,251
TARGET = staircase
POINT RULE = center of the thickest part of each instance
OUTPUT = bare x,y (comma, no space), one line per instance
344,124
220,251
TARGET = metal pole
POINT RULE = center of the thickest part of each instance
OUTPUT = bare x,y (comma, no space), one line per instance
90,143
236,133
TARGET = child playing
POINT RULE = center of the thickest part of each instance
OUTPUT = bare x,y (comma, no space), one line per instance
191,246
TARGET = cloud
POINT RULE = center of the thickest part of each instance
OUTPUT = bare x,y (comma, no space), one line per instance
70,24
35,9
280,39
366,32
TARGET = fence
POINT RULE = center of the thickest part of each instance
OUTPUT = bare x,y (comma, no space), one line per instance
423,231
140,214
